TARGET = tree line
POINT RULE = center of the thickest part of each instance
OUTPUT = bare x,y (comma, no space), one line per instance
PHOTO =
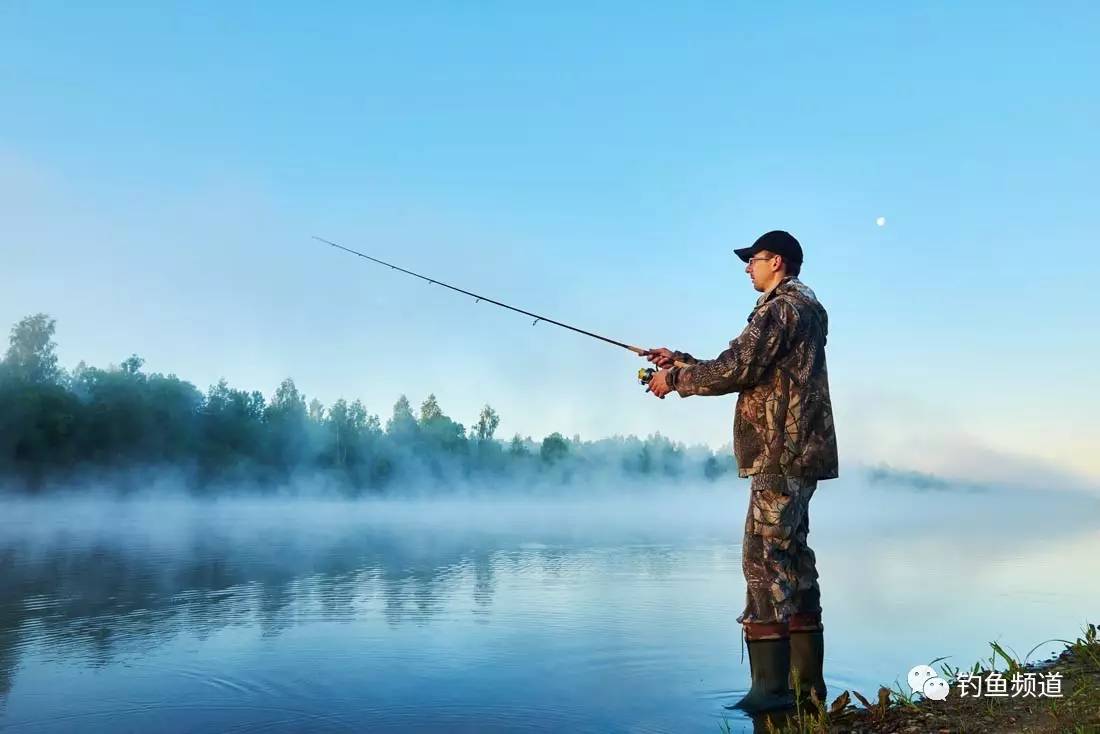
57,424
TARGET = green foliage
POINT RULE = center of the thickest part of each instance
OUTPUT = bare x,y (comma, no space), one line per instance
286,420
287,403
30,356
40,425
487,423
132,365
123,418
430,411
554,448
231,427
401,424
517,448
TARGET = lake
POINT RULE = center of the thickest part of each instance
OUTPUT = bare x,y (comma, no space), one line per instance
610,612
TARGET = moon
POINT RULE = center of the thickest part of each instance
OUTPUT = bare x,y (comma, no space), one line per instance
881,221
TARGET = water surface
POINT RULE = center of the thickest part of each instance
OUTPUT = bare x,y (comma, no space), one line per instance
611,614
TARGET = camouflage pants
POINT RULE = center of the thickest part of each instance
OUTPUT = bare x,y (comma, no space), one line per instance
780,569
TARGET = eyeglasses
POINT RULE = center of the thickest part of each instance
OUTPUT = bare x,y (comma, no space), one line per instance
754,259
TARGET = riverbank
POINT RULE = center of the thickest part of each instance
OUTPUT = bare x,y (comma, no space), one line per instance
1003,694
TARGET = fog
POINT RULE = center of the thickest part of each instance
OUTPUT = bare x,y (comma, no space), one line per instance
261,557
227,597
121,428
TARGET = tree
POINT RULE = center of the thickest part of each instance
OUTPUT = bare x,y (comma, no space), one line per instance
645,460
132,365
232,426
487,424
711,469
554,448
518,447
357,417
439,431
341,430
715,467
40,428
174,416
287,401
123,417
30,354
364,422
401,424
663,454
430,411
286,422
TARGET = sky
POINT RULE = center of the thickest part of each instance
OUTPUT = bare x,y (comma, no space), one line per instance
163,169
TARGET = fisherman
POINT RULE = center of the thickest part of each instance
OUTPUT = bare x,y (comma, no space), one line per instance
784,440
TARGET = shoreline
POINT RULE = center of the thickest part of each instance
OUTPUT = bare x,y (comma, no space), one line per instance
1074,673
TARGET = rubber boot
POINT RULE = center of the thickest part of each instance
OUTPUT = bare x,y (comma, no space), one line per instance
770,668
808,656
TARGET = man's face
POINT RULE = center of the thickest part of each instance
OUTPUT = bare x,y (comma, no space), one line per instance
760,269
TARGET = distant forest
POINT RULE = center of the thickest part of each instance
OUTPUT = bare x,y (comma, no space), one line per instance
58,426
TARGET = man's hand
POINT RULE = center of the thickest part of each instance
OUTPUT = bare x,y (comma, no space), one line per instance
662,356
658,384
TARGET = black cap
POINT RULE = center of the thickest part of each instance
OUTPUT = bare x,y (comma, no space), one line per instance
776,241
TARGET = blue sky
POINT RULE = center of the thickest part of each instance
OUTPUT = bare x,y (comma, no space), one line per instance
162,171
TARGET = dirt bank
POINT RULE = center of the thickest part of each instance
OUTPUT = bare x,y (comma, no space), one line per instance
1003,695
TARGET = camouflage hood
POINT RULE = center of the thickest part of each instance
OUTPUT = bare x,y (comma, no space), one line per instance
783,422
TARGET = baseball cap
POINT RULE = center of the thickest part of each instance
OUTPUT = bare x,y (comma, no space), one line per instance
776,241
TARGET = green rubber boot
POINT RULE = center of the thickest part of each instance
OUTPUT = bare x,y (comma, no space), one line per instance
770,668
807,658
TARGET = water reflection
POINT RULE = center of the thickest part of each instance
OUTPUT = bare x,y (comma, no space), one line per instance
601,616
84,601
86,585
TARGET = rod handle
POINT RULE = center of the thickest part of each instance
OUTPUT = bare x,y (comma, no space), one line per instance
639,351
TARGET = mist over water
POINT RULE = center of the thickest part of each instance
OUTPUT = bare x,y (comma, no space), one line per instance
496,612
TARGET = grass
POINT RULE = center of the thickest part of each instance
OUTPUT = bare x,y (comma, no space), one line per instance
1076,712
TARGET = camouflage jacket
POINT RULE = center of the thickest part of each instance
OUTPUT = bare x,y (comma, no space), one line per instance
783,423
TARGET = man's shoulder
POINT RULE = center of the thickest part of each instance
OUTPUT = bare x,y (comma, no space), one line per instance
800,303
789,303
796,293
779,310
792,287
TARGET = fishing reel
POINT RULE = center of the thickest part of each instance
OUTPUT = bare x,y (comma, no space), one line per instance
645,374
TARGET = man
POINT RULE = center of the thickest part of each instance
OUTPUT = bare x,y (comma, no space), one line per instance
784,440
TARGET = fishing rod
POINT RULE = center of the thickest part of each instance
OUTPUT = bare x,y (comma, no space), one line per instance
644,374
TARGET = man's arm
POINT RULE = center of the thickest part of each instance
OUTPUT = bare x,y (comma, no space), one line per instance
750,355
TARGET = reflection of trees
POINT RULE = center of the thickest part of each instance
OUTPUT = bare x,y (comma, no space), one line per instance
9,640
484,583
96,601
274,606
10,605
